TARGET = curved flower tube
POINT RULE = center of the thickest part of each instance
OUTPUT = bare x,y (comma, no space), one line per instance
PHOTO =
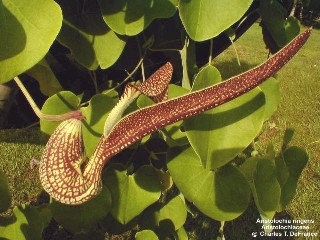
69,183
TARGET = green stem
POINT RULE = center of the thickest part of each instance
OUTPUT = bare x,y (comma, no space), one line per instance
210,53
128,77
235,49
94,80
73,114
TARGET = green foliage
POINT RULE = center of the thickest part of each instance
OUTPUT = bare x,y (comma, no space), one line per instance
95,116
27,31
48,82
146,235
28,222
166,218
222,194
130,18
205,19
226,130
274,17
201,154
88,37
131,194
82,218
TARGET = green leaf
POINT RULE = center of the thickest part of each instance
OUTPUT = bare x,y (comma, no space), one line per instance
131,194
27,223
126,17
82,218
288,135
266,188
28,28
5,199
271,90
48,82
181,234
220,134
95,116
166,218
295,159
59,103
205,19
89,39
274,17
223,194
146,235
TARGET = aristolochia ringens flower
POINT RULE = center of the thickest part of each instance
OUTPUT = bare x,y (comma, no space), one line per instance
61,173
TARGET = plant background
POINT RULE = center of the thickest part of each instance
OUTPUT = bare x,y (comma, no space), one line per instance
69,53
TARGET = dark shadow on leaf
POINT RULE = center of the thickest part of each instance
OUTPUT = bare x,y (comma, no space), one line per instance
231,190
13,37
231,68
81,25
65,102
223,119
5,221
84,16
110,225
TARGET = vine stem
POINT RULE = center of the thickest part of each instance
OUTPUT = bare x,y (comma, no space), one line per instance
73,114
211,48
128,77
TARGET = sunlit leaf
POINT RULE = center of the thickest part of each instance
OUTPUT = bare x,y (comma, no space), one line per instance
131,194
220,134
205,19
28,28
95,116
222,194
146,235
59,103
130,18
271,90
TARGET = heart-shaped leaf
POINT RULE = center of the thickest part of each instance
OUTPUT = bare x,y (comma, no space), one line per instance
295,159
82,218
28,28
130,18
265,187
205,19
220,134
223,194
131,194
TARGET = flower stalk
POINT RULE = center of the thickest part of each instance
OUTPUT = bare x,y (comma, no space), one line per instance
47,117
